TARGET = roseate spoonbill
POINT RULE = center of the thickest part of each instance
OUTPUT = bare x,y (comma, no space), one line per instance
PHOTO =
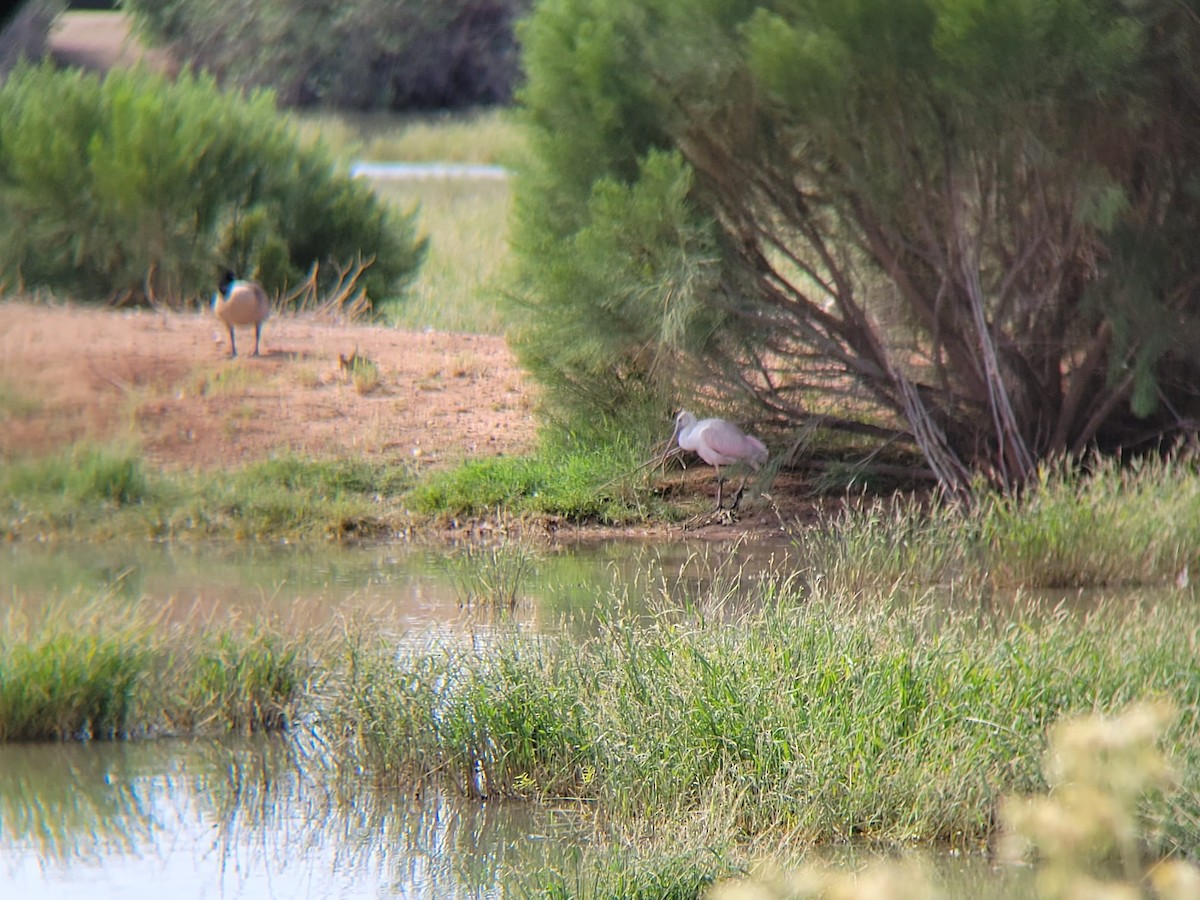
238,302
720,443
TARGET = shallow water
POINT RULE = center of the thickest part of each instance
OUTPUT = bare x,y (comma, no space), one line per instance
241,818
261,818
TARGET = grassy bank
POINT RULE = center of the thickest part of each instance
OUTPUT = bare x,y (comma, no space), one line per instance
1106,527
98,493
1109,527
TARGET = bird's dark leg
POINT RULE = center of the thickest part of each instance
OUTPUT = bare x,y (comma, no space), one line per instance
257,335
232,343
737,498
720,486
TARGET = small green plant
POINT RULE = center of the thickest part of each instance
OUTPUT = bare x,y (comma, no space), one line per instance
362,372
226,381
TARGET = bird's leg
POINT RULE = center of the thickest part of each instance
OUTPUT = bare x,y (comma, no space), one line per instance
720,486
232,344
737,498
257,335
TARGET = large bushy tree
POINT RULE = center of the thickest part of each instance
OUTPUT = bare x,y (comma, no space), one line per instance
965,224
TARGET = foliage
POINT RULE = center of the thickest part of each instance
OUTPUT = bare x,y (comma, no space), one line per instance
83,669
906,719
136,187
391,54
1115,525
99,493
966,226
572,482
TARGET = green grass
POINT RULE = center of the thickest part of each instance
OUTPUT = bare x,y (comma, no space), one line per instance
819,716
581,485
102,493
95,669
1107,527
99,493
458,287
488,137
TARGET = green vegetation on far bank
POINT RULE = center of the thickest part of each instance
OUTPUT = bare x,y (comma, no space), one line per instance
1110,526
99,493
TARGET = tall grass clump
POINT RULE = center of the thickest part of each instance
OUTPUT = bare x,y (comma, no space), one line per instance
1107,525
240,681
816,715
1114,524
94,668
60,685
135,187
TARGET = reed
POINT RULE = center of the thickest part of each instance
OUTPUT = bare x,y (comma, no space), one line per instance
94,668
815,715
1107,525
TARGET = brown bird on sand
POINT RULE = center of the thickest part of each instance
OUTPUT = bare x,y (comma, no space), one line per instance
239,302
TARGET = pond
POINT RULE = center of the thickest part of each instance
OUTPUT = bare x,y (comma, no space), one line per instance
261,818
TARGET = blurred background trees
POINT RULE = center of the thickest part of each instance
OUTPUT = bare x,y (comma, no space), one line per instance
374,54
965,228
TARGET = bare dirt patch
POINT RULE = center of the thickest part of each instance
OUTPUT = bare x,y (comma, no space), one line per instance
163,382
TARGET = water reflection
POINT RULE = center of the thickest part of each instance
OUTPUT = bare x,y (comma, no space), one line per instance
258,818
245,818
407,589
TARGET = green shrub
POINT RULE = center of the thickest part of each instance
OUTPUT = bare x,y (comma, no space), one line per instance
134,187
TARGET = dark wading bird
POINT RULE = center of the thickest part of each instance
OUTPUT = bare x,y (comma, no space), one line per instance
720,443
239,302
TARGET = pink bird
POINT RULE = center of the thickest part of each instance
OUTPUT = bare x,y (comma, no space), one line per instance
720,443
